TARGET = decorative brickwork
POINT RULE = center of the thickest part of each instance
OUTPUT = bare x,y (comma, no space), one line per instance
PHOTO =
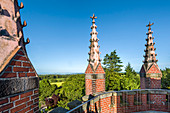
150,74
19,66
95,75
18,79
126,101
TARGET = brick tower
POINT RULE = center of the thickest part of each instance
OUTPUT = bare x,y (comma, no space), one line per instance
18,78
94,75
150,74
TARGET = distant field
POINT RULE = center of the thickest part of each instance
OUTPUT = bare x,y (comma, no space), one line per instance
57,83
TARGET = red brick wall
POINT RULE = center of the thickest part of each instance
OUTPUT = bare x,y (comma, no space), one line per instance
155,83
142,83
19,66
158,101
154,69
88,85
105,104
100,85
21,103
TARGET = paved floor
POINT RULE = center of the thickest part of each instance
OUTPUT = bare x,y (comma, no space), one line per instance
151,112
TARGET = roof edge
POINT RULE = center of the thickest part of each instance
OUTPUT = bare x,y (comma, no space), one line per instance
8,59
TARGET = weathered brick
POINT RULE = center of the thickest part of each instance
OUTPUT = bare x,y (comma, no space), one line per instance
26,64
9,69
21,74
14,98
29,103
5,107
16,63
34,105
26,94
21,58
24,110
36,91
31,70
8,75
18,108
3,101
30,74
22,101
20,69
34,96
36,100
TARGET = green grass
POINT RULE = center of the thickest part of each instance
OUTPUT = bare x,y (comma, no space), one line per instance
57,83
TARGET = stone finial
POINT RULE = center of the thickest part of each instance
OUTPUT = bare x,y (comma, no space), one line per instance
27,41
21,5
24,24
149,25
93,17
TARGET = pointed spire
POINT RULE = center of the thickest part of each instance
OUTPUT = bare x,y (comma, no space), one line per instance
150,56
94,54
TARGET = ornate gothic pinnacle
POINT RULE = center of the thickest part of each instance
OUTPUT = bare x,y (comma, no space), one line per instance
94,54
150,56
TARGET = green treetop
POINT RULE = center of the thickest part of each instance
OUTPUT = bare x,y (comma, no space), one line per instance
112,62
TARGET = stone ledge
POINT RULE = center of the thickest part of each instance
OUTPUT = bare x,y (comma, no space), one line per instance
106,95
157,92
95,76
17,85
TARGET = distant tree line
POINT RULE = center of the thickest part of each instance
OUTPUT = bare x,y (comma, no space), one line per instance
52,76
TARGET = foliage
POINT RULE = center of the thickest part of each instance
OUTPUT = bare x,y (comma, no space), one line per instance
112,62
73,88
113,81
130,80
118,81
53,77
112,65
46,89
57,83
165,81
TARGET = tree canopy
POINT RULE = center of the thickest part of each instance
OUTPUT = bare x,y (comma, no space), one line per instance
112,62
46,89
72,89
165,78
115,79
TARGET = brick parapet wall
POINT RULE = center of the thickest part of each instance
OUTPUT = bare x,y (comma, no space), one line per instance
129,101
25,102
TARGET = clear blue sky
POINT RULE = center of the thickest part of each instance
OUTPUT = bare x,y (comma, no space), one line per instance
59,31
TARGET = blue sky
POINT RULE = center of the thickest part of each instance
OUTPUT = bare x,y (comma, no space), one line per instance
59,31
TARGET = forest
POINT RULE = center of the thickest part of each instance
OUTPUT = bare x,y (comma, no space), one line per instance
72,87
